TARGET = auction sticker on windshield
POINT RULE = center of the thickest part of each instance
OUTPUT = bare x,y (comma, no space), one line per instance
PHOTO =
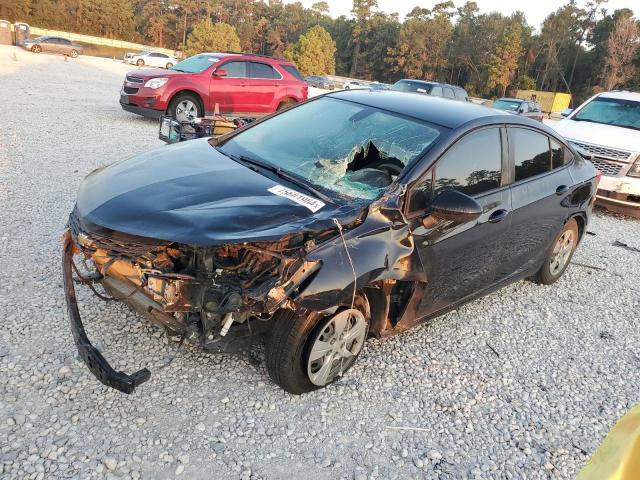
311,203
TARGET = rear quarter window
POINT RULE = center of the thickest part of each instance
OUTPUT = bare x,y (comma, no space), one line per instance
291,70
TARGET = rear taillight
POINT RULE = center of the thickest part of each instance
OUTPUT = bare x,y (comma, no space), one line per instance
598,177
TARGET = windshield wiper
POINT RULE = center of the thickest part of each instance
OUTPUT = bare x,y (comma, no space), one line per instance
280,173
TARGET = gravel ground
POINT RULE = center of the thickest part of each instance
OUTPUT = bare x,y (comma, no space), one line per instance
524,383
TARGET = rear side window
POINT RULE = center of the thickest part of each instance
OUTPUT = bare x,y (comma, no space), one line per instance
262,70
436,91
560,155
235,69
531,153
472,166
291,70
448,93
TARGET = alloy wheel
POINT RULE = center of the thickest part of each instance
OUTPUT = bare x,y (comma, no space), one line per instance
561,252
336,346
186,110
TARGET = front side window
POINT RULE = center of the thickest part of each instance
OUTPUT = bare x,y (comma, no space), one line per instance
531,153
448,93
436,91
262,70
472,166
235,69
460,94
353,150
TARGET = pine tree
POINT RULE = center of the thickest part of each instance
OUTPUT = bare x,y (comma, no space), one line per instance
209,37
315,52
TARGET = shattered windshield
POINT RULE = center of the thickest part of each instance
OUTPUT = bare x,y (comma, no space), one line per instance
343,147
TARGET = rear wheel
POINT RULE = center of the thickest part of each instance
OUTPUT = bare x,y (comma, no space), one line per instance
140,62
286,103
185,107
36,49
307,350
560,256
73,53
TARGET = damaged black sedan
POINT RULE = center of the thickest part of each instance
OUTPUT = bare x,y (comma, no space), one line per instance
354,214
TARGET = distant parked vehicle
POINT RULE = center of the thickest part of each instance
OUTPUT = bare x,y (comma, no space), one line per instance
320,82
153,59
517,106
356,85
607,128
52,45
434,89
377,86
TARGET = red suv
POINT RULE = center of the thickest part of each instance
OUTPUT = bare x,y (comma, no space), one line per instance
241,85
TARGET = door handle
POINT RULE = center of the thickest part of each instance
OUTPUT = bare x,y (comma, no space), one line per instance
498,216
562,189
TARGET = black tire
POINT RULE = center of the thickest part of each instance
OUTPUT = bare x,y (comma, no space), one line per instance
169,65
285,104
140,62
36,49
171,111
73,53
547,274
288,347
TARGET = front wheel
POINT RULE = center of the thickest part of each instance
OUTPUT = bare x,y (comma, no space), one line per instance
169,65
307,350
73,54
560,256
140,63
185,107
36,49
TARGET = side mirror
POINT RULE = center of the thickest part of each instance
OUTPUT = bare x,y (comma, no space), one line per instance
220,73
455,206
566,112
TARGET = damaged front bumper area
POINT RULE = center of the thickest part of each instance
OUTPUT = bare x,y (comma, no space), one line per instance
219,297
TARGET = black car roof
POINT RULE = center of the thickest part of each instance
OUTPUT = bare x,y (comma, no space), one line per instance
440,111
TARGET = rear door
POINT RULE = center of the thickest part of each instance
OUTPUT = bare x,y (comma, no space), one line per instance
262,87
462,259
230,91
537,195
51,45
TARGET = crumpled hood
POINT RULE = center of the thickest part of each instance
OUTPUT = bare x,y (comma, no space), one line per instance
599,134
191,193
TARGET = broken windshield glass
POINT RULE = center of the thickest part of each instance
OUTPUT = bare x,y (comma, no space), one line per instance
348,148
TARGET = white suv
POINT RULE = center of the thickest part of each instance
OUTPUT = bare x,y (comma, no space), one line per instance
607,126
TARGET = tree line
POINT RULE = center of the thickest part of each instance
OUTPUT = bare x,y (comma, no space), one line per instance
579,48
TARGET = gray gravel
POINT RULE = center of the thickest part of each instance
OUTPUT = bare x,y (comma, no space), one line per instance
524,383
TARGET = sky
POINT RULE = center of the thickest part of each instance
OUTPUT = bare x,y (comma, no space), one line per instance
535,10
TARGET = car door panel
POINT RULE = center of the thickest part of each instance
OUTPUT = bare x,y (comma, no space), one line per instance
461,260
538,213
260,88
229,92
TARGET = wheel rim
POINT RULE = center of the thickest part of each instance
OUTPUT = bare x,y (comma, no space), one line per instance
561,252
36,49
169,65
186,110
74,54
336,346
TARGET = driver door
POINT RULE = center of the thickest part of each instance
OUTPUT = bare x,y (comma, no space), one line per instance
230,91
463,258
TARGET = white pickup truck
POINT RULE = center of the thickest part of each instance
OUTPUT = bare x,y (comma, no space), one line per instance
607,126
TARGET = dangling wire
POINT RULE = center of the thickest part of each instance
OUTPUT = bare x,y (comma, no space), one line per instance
355,277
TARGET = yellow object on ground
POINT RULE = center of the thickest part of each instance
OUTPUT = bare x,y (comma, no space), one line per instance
618,457
550,102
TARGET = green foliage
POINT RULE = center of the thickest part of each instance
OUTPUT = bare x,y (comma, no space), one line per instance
504,60
525,82
315,52
209,37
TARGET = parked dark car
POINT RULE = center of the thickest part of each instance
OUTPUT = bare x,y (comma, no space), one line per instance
517,106
375,86
51,44
320,82
417,205
434,89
